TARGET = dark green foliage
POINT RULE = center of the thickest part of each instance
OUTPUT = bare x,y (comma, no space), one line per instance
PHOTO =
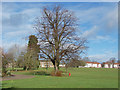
103,64
31,58
33,44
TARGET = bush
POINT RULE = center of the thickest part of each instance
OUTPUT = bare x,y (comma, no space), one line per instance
4,71
56,73
8,73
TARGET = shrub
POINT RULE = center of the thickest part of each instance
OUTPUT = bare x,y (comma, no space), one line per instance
4,72
56,73
8,73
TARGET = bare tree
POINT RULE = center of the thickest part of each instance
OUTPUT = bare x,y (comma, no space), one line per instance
57,37
4,62
112,61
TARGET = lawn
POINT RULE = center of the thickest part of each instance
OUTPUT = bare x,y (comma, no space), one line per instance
80,78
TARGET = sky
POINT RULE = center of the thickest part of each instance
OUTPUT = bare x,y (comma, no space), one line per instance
98,22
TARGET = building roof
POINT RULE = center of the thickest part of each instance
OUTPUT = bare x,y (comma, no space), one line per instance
93,62
116,63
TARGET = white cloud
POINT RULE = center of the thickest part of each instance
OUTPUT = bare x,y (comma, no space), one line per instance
103,57
105,18
90,33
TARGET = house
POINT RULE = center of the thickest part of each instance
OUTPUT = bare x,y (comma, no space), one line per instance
48,63
116,65
88,64
10,65
93,64
110,65
62,65
106,65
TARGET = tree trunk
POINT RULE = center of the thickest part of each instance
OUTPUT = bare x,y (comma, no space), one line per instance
66,69
26,68
56,68
113,65
56,65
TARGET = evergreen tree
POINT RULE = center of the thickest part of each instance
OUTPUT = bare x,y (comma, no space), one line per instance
31,58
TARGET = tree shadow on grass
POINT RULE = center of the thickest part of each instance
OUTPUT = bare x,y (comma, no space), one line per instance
11,88
39,73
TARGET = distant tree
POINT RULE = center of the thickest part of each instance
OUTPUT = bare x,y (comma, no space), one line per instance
1,59
76,62
118,61
58,39
86,59
82,63
20,60
4,62
12,55
103,64
112,60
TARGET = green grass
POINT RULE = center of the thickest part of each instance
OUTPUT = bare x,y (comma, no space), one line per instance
80,78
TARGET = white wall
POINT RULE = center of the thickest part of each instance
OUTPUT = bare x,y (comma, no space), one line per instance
106,66
88,65
99,65
94,65
115,66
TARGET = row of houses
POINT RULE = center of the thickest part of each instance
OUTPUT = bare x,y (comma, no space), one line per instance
99,65
44,63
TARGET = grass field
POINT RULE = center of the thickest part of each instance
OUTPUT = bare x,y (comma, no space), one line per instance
80,78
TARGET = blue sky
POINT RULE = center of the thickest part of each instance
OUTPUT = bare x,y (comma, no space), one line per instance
98,21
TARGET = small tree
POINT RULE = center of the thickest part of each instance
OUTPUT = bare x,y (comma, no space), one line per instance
12,55
30,62
20,60
4,60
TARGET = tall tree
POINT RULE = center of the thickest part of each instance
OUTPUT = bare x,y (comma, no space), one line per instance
31,58
57,37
